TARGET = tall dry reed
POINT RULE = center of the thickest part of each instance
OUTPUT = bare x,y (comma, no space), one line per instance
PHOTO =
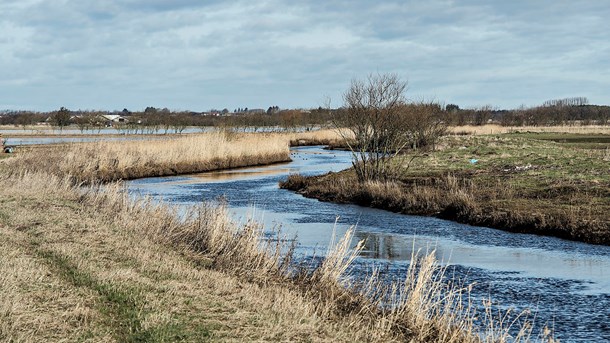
108,161
423,307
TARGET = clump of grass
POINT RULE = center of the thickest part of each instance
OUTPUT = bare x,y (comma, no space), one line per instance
425,197
110,161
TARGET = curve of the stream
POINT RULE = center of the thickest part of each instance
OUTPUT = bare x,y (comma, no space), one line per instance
566,284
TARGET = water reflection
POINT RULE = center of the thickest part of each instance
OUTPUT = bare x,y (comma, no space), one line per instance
388,247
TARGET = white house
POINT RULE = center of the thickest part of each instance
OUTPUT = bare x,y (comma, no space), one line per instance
114,118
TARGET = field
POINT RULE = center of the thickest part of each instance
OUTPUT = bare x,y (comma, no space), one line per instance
554,184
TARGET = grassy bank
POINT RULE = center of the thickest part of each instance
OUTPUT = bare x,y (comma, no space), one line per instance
109,161
105,161
548,184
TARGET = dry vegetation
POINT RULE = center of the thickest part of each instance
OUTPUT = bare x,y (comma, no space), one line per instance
98,268
109,161
328,137
89,264
549,184
92,265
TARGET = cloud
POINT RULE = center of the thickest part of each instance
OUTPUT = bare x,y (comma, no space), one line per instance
197,55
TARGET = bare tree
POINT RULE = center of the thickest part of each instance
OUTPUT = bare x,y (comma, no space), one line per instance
373,125
378,124
25,119
84,121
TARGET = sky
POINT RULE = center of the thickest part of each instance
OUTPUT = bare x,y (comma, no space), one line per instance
198,55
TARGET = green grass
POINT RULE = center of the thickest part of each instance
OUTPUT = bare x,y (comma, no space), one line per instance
542,174
120,306
520,158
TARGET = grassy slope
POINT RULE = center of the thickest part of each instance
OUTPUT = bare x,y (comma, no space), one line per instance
74,270
80,269
524,183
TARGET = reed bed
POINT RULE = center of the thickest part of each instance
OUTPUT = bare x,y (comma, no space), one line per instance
106,161
133,270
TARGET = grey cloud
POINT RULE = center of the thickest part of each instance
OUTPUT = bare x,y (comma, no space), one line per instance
193,54
164,5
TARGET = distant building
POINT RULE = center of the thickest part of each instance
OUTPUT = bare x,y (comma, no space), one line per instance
115,118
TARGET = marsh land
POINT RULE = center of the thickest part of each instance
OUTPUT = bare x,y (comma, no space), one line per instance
86,261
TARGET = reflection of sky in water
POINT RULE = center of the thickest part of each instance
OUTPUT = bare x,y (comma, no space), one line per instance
565,280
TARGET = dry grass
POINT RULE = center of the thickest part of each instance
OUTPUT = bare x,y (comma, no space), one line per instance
109,161
94,265
98,267
446,194
497,129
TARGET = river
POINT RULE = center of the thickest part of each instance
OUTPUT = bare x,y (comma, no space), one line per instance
565,284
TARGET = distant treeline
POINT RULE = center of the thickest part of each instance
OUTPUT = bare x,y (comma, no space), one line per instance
553,112
569,111
153,120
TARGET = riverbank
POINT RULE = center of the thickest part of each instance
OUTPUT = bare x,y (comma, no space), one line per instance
103,160
547,184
